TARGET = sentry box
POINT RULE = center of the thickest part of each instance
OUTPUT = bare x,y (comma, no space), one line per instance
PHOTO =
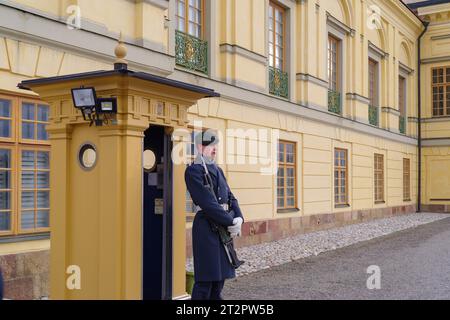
116,227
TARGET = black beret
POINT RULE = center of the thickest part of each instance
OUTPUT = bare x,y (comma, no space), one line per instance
206,138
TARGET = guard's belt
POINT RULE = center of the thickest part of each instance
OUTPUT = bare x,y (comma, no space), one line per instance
225,207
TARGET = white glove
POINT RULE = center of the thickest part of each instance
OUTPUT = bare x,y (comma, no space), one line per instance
235,229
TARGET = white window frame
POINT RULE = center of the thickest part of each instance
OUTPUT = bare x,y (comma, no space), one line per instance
341,35
405,72
289,49
376,56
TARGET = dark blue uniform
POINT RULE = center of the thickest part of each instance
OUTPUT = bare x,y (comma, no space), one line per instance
211,265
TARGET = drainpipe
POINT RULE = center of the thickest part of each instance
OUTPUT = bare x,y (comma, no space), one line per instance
419,119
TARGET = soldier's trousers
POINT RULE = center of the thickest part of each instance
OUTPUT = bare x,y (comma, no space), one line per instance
208,290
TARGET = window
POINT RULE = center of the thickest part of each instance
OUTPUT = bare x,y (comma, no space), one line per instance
34,190
334,70
402,103
5,118
373,92
441,91
402,95
191,51
190,17
333,63
373,82
24,166
278,78
406,180
379,177
276,36
5,190
286,177
340,177
34,119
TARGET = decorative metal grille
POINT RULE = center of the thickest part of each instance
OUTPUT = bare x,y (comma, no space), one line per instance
373,116
334,101
191,52
278,82
402,124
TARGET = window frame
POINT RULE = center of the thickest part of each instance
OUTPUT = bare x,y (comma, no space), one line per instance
35,230
402,95
374,67
274,6
446,92
20,121
16,144
12,119
189,215
11,190
186,18
339,169
286,165
333,38
406,181
379,173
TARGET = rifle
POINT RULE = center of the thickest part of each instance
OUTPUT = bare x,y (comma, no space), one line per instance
224,235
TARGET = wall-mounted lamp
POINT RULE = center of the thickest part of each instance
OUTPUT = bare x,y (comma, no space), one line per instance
106,105
93,109
85,99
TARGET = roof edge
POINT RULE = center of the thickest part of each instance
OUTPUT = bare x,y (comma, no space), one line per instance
426,3
209,93
412,11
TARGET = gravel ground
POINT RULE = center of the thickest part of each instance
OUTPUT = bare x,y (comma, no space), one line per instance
412,264
268,255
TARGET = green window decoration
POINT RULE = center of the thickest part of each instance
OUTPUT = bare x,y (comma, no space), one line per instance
334,101
191,51
402,124
278,82
278,77
373,115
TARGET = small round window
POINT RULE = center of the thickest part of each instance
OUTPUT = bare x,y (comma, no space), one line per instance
87,156
149,160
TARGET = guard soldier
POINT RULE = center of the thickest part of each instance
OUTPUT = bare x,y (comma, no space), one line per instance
217,221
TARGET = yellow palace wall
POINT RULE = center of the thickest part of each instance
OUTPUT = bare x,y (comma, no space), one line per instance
436,130
236,32
315,144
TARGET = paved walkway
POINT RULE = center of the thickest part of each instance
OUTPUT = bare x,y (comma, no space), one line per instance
267,255
414,264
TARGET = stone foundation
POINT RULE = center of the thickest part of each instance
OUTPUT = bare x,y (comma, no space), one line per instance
438,208
257,232
26,275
